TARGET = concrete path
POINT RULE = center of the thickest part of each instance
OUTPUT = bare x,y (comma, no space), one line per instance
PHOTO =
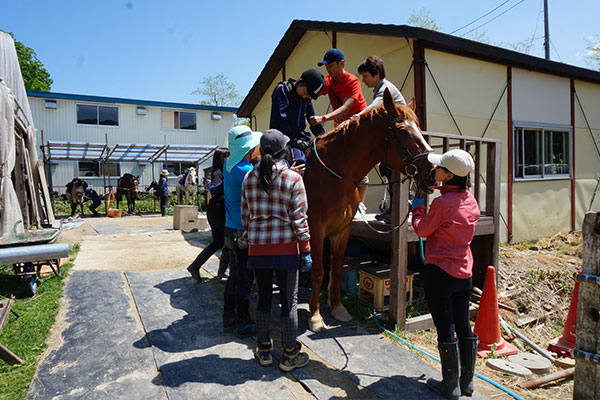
158,335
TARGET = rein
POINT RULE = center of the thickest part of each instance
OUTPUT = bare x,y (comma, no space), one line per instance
410,171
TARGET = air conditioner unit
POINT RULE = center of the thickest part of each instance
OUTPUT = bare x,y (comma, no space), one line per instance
141,111
51,104
215,116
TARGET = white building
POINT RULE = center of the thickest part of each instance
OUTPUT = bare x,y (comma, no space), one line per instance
99,139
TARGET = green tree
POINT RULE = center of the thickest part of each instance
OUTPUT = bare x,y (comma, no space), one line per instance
218,91
423,19
35,76
593,56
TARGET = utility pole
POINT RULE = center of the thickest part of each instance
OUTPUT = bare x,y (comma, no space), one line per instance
546,31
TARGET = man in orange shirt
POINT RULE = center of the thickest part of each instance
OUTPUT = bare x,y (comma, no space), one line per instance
346,99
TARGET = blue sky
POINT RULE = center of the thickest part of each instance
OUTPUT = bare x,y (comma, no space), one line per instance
161,50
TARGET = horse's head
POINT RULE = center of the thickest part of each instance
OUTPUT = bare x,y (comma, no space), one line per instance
192,177
406,149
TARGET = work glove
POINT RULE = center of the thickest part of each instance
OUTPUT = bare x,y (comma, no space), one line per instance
300,144
305,262
418,201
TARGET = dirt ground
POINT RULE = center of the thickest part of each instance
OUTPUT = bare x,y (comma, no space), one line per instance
133,243
536,279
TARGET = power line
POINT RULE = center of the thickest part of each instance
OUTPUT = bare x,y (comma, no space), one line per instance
496,17
483,16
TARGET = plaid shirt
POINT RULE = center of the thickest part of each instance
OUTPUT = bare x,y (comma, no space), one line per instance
276,223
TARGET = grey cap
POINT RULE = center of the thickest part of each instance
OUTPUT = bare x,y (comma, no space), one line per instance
273,141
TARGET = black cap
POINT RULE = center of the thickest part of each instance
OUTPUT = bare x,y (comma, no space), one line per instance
314,80
273,140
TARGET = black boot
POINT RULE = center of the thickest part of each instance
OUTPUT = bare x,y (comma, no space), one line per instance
448,387
468,355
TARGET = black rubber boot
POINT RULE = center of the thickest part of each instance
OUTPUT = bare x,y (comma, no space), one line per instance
468,355
448,387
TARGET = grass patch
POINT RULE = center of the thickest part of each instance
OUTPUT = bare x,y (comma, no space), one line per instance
27,335
144,204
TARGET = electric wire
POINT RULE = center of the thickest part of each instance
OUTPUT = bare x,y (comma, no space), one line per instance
496,17
477,19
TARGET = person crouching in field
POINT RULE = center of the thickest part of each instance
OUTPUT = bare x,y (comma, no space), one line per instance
449,227
274,217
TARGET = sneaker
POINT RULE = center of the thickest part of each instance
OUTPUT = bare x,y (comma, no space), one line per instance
361,207
264,352
245,328
194,274
385,216
229,323
291,360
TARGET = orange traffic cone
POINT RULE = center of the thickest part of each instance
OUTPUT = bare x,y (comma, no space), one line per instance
487,324
565,343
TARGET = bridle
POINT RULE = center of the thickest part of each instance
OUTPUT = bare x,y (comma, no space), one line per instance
411,170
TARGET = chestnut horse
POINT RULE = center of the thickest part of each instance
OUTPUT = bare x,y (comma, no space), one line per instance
389,134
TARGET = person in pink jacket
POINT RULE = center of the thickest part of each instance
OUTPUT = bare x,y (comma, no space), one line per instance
449,227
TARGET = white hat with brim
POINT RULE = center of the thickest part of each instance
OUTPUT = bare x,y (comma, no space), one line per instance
459,162
241,140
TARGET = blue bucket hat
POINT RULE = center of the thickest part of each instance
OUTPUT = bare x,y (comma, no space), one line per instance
241,140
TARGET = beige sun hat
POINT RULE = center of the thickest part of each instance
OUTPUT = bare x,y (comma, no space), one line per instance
164,172
457,161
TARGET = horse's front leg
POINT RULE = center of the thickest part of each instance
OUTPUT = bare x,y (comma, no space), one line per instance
81,208
338,249
315,322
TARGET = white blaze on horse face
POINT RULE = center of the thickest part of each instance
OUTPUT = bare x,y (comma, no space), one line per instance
414,125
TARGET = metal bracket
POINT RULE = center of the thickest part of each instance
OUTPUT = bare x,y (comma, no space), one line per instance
584,355
588,278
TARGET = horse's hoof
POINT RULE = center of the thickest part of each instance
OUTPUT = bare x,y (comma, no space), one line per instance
316,324
341,314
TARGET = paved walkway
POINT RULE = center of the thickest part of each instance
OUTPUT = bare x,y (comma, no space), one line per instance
157,335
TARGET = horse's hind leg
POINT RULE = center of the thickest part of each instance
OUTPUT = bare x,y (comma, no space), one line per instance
315,322
338,249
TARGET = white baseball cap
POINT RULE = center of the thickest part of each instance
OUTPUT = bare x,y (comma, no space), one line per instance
459,162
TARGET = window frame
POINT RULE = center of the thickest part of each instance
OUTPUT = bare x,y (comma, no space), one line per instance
544,129
97,124
103,164
181,166
99,168
179,120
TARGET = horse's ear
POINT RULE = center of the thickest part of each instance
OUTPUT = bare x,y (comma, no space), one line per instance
412,104
388,100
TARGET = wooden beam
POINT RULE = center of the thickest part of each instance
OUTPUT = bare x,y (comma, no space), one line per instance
587,373
8,356
399,260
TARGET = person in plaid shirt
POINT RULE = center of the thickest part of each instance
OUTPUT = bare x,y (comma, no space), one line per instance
274,218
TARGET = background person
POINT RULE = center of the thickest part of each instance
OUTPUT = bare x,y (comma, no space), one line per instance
291,107
90,194
449,227
215,213
163,191
274,217
372,71
236,307
345,98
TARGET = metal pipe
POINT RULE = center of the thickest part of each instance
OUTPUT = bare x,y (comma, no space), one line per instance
18,254
541,351
537,382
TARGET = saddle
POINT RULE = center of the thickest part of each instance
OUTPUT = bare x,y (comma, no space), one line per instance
182,180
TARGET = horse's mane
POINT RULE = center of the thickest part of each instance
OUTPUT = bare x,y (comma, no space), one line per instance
353,123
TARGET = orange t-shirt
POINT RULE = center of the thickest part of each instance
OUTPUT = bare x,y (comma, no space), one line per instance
348,86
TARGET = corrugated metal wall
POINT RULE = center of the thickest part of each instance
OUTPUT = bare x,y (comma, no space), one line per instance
60,124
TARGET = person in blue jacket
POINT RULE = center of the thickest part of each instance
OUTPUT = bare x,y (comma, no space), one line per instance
163,191
90,194
236,307
291,107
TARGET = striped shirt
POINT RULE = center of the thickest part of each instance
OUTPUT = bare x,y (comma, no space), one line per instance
276,222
